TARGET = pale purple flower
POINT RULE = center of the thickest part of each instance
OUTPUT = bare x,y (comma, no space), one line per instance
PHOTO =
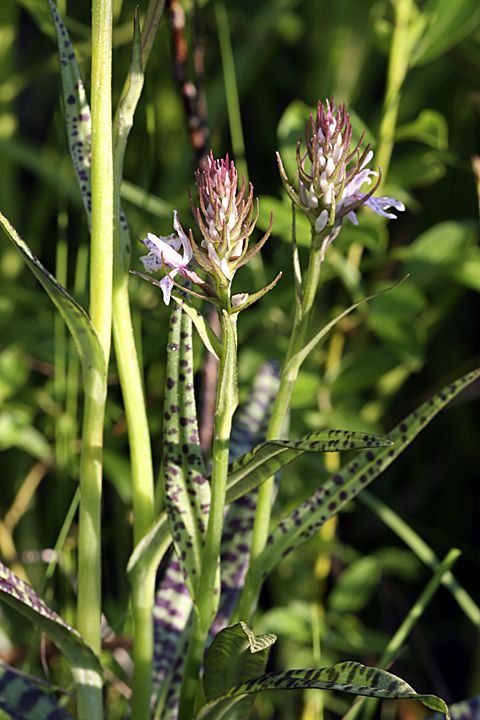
331,174
164,252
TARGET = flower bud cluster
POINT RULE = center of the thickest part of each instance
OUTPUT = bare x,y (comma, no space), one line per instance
331,174
225,219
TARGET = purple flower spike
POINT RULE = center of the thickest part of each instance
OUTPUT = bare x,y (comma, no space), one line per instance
331,174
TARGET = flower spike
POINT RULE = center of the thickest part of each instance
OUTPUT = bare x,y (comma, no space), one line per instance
330,174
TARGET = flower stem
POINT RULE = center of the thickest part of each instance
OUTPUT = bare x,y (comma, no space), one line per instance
208,591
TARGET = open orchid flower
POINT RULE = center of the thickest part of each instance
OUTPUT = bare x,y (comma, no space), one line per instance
331,175
164,253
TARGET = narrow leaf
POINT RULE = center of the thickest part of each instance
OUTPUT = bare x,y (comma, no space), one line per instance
187,492
448,24
329,499
77,320
171,614
350,677
77,111
295,362
268,458
83,662
21,699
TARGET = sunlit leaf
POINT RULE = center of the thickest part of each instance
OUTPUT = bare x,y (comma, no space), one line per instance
83,662
265,460
332,496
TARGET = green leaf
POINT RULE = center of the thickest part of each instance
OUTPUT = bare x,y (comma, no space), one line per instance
430,127
77,111
85,667
355,586
235,656
447,24
350,677
265,460
418,168
438,252
332,496
23,700
187,491
77,320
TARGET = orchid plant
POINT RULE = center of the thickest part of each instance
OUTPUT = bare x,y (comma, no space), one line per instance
195,652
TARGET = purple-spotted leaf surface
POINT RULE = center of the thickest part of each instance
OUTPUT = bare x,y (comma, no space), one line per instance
331,497
21,699
187,491
349,677
24,599
173,606
268,458
77,111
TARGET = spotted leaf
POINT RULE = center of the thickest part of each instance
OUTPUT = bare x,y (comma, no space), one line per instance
309,517
268,458
77,111
187,491
17,593
21,699
235,656
350,677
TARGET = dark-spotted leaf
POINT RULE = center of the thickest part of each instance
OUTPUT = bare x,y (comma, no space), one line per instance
235,657
21,699
255,467
77,111
332,496
350,677
83,662
187,491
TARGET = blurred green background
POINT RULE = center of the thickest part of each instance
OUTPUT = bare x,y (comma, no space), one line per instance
345,592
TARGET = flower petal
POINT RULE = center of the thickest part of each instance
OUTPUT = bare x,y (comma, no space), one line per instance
379,205
166,285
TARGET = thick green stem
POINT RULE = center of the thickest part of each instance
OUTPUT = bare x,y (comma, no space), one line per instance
207,595
89,539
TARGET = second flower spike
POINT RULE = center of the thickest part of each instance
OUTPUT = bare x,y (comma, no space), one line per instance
331,173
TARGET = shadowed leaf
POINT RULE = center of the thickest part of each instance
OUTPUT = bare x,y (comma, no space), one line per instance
21,699
350,677
235,656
